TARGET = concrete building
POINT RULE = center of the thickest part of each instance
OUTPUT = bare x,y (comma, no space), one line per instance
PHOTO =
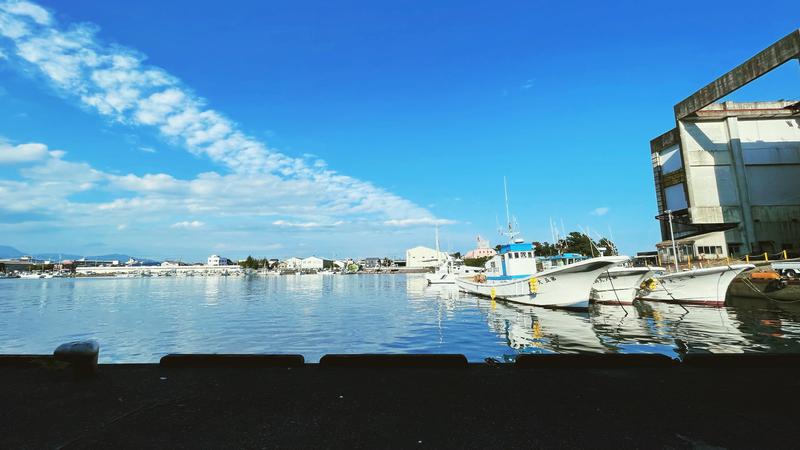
420,257
730,172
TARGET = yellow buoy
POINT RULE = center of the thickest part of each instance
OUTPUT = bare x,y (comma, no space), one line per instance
534,284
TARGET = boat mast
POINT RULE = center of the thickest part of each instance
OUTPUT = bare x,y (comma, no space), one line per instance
438,253
672,238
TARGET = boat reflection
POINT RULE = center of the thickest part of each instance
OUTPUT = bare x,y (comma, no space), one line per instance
540,330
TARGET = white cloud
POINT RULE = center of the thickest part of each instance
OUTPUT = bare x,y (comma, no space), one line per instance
187,225
602,211
147,149
116,82
122,226
526,85
413,222
306,225
35,12
22,153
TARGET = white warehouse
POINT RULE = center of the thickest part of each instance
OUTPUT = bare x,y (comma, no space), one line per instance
421,257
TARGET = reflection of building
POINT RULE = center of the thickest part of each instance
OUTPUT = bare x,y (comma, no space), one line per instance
482,251
424,257
730,172
216,260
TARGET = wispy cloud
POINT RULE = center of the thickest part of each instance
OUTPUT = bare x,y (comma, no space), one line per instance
147,149
417,222
116,82
526,85
188,225
306,225
601,211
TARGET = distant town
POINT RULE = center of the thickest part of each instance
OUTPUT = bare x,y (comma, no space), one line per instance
417,259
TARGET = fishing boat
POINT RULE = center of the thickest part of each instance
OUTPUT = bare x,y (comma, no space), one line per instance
620,285
512,275
703,286
707,286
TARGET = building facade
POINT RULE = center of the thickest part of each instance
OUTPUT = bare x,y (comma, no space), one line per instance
315,263
481,251
729,173
421,257
216,260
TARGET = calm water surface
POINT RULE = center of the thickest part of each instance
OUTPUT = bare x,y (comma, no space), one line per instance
142,319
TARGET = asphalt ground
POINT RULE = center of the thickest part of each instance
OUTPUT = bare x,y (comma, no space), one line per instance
347,404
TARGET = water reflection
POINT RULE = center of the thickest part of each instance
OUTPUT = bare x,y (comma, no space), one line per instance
138,320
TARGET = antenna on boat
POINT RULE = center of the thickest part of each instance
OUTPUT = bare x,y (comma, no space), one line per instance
505,191
510,232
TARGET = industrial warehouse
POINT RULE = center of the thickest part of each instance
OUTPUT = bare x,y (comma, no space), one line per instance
729,173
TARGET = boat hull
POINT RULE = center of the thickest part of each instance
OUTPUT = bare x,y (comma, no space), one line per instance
619,285
563,287
699,286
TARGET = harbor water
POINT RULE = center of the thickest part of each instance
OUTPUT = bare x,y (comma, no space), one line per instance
142,319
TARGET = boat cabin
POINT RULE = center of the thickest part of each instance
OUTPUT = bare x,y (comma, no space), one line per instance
549,262
515,260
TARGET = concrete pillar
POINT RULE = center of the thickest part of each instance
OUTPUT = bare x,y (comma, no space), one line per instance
687,167
740,178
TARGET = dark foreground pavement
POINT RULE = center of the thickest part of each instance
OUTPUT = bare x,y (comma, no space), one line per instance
480,406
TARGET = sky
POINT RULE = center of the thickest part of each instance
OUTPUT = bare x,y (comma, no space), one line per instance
349,129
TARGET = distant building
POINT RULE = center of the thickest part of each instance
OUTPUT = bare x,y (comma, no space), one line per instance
730,172
420,257
216,260
16,265
482,251
315,263
373,263
291,263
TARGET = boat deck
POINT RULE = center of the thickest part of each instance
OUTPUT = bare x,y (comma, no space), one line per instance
539,403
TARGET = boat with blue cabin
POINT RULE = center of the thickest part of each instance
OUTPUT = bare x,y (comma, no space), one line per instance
512,275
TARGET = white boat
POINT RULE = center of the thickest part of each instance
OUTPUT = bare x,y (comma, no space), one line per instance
707,286
29,275
620,285
566,286
448,272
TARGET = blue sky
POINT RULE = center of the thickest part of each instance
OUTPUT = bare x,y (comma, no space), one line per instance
348,128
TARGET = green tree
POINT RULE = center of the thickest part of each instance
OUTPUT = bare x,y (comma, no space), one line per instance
476,262
610,247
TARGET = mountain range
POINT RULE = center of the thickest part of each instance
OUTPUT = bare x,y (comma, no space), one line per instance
11,252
